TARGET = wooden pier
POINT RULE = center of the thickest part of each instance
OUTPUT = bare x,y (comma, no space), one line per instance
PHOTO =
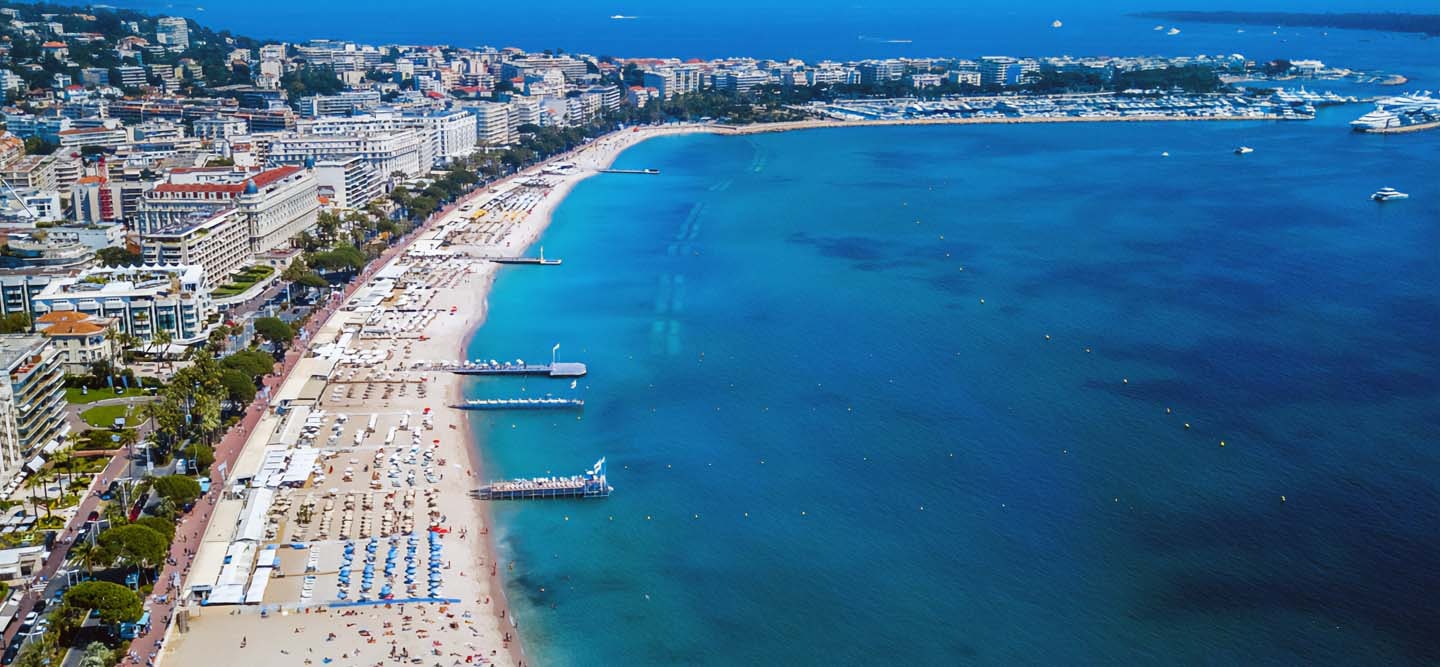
592,484
563,369
642,172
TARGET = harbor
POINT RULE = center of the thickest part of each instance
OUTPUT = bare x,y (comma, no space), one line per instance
592,484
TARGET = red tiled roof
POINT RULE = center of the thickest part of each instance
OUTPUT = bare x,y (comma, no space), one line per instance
57,316
73,329
261,180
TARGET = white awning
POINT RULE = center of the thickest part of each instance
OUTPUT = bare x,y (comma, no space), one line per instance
256,592
253,519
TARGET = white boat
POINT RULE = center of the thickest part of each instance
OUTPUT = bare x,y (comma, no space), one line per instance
1388,194
1173,31
1243,150
1056,24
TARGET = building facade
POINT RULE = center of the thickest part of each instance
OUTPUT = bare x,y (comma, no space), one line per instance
32,399
142,299
217,240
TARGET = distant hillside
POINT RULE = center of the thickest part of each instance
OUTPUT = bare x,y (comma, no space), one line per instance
1428,24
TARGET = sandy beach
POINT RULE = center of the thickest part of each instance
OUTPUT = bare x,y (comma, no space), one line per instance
392,466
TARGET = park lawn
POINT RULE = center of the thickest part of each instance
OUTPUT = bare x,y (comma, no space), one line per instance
73,395
103,416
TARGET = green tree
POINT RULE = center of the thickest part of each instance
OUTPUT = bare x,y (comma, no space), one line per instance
15,323
159,525
117,256
137,546
161,341
178,488
112,602
250,361
88,554
96,655
239,386
274,330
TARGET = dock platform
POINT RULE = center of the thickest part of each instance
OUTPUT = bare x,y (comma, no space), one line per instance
592,484
563,369
643,172
548,402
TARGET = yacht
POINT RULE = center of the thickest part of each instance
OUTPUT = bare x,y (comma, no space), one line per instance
1388,194
1243,150
1173,31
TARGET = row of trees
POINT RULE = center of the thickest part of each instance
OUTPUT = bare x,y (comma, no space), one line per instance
138,546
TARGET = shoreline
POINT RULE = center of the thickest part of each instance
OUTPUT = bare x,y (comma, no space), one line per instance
537,221
448,341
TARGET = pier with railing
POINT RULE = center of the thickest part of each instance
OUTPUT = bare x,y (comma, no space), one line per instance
592,484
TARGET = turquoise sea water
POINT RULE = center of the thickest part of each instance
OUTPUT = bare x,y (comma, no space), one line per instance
782,342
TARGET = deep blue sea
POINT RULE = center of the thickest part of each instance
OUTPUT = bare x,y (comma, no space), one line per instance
920,396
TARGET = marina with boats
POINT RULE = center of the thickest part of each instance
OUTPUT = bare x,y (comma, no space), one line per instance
1401,113
1284,105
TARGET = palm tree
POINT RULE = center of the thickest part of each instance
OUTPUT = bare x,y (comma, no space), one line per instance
163,339
38,480
87,555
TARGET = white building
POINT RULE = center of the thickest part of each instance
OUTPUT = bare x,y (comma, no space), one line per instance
142,299
389,152
275,204
173,32
217,240
450,134
348,183
493,126
217,127
32,400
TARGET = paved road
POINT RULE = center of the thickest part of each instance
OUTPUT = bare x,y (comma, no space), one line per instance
90,503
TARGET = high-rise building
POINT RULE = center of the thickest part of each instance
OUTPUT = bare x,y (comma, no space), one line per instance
492,123
173,32
215,239
999,71
32,400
